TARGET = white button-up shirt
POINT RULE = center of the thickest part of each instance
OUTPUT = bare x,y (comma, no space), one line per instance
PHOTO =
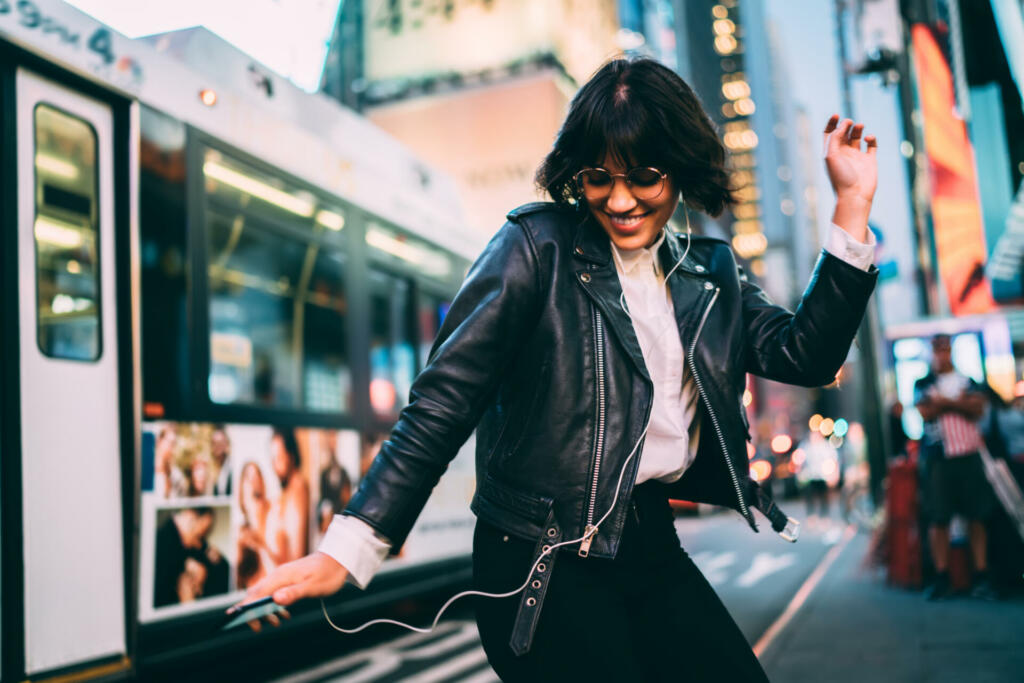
670,444
672,434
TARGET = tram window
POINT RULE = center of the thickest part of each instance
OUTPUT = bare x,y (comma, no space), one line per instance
277,306
400,250
432,311
392,342
66,236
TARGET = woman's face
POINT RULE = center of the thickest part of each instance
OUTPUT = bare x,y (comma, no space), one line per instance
252,483
281,460
200,475
629,222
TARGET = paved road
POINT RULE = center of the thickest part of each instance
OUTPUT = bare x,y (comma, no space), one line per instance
756,575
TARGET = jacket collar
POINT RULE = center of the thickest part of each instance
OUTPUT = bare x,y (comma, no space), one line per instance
592,249
675,247
591,244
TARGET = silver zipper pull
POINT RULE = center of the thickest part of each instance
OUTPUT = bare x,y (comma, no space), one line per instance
588,538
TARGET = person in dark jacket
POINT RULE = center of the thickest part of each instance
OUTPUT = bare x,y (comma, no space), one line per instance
602,357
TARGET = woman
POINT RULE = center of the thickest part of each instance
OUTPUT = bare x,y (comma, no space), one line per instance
602,360
253,560
288,522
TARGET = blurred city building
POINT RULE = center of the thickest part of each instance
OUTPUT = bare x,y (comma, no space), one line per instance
477,88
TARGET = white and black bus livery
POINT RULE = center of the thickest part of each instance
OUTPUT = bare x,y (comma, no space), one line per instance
216,291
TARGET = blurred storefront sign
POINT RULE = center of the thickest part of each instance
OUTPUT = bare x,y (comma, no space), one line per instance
983,348
410,39
956,209
1008,250
1008,254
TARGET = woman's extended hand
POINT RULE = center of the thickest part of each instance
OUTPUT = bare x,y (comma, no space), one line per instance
853,173
316,575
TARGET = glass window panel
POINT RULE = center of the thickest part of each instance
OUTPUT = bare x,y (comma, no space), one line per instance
238,185
402,250
277,308
392,342
66,236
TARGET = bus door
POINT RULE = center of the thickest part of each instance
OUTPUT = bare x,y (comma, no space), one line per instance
74,576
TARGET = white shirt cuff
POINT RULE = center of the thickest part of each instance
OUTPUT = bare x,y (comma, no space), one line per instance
843,246
354,545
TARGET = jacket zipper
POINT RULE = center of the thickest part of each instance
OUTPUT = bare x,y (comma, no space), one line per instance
590,530
707,403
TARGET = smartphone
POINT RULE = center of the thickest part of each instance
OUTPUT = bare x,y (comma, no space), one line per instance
240,614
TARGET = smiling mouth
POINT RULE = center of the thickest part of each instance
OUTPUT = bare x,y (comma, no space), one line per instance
628,221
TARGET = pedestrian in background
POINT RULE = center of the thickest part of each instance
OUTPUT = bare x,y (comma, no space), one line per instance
819,466
951,405
565,349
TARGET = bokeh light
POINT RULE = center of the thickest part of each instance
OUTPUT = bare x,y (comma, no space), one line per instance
781,443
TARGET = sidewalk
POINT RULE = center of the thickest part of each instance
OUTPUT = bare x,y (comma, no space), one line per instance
854,627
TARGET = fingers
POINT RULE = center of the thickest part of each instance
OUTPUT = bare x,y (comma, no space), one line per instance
294,592
846,133
835,140
273,582
854,135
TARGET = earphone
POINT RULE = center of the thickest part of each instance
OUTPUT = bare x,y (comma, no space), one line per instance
548,549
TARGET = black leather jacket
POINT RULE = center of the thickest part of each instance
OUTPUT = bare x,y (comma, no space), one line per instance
537,355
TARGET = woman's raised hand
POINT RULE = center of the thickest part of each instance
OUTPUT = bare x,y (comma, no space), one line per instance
316,575
853,172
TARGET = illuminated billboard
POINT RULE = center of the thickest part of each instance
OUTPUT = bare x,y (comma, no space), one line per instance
956,208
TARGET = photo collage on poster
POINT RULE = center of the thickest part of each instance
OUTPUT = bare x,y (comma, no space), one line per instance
223,505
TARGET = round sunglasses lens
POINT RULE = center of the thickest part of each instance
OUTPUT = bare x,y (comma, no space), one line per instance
647,183
595,178
644,177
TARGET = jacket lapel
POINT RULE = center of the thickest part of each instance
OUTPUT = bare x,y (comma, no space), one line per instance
596,274
686,285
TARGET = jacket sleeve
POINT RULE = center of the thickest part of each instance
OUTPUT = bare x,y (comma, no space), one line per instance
808,347
496,307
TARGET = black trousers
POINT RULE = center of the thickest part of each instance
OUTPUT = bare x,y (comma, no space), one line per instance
647,615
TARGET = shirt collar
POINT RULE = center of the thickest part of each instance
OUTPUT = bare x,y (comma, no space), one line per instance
627,260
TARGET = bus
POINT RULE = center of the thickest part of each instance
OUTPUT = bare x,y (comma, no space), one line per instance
217,290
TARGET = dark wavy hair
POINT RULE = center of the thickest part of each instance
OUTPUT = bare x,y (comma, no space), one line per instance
291,445
642,114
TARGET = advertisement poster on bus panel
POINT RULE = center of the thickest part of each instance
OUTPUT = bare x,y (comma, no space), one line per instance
222,505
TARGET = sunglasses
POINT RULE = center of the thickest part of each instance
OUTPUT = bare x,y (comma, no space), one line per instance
644,182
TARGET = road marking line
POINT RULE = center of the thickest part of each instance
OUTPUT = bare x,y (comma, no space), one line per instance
803,593
714,565
467,634
485,676
453,666
375,656
765,564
